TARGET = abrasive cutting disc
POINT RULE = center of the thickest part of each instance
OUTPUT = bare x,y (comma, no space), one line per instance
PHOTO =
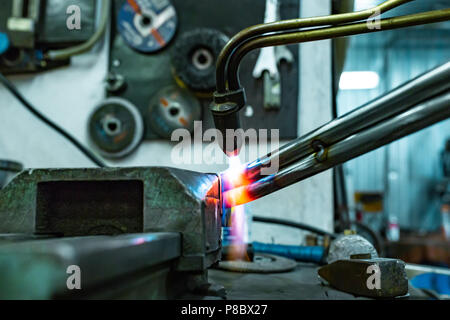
115,128
195,56
147,25
172,108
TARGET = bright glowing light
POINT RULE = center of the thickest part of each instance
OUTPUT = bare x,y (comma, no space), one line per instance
236,197
234,162
239,228
359,80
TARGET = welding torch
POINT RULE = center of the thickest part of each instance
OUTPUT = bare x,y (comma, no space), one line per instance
230,97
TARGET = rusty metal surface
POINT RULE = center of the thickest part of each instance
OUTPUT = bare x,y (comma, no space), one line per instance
82,202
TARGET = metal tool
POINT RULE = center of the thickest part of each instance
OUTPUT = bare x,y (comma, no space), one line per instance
268,60
133,233
346,246
270,57
272,92
230,96
363,276
417,104
283,54
86,202
226,118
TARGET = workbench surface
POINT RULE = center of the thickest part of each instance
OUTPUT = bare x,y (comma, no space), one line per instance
303,283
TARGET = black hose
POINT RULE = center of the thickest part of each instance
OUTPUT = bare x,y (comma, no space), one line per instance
8,84
293,224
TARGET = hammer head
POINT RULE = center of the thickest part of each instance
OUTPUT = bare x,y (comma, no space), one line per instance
376,278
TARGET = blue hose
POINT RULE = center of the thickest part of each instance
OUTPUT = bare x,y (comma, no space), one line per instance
299,253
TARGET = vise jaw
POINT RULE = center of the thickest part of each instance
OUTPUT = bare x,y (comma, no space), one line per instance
111,201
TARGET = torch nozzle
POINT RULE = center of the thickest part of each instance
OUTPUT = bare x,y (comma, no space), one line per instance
228,123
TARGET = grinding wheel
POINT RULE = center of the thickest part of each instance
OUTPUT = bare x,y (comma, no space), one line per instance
194,58
115,128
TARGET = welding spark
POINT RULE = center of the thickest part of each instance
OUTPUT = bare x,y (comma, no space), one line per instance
234,176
